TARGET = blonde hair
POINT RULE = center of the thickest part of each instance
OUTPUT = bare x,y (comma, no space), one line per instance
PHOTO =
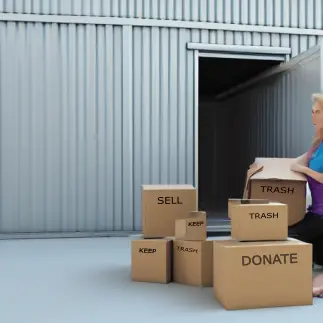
317,98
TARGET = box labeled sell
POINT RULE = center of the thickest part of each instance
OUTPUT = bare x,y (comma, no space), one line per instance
272,179
193,262
250,275
162,205
192,228
151,260
258,220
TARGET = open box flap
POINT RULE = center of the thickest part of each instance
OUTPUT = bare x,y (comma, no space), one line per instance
235,202
277,168
273,169
253,169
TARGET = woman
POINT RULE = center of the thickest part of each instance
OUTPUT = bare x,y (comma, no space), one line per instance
310,229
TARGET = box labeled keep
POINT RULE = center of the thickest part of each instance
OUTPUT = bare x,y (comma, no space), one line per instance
193,262
258,220
192,228
151,260
272,179
250,275
162,205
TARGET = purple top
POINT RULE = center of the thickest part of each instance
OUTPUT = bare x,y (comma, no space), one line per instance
316,163
316,189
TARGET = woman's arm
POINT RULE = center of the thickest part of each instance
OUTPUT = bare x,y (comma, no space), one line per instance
307,171
312,173
301,165
301,160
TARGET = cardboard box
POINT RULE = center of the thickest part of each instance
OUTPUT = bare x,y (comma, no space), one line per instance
193,262
192,228
151,260
162,205
250,275
258,220
272,179
232,202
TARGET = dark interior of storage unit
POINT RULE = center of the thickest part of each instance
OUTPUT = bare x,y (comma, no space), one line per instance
217,180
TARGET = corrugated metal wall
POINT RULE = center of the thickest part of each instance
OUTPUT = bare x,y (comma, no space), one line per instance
272,119
285,13
90,112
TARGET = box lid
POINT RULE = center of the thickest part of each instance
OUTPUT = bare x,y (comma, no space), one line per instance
157,187
276,168
232,243
271,169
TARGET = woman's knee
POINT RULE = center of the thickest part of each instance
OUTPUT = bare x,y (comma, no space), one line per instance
307,230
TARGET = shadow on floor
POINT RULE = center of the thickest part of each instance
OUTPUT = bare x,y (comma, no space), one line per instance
116,279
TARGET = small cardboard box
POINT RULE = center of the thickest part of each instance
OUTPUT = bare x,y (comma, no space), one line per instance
162,205
151,260
258,220
250,275
272,179
193,263
192,228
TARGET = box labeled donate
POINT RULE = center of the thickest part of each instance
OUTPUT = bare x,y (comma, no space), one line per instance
250,275
151,260
272,179
162,205
192,228
193,262
261,220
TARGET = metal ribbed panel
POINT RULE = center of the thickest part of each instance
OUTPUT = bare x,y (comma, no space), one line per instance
88,114
285,13
273,119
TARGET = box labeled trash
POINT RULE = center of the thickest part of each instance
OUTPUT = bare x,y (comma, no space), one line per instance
151,260
192,228
272,179
193,262
258,220
250,275
162,205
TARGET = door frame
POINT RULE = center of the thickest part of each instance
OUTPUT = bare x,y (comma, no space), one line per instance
282,54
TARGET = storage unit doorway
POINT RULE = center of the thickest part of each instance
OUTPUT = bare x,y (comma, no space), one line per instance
243,101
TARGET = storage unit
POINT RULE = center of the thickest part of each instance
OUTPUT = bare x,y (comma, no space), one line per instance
269,116
95,102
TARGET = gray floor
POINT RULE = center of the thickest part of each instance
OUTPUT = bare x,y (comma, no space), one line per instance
87,280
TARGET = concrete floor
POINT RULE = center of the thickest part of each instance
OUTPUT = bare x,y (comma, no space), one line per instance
87,280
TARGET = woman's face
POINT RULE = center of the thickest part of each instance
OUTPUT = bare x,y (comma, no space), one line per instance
317,116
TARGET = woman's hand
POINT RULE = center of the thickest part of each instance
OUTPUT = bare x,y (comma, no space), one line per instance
298,168
307,171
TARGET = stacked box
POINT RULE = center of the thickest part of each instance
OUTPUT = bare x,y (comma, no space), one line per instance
151,260
260,266
258,220
273,179
192,252
162,205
